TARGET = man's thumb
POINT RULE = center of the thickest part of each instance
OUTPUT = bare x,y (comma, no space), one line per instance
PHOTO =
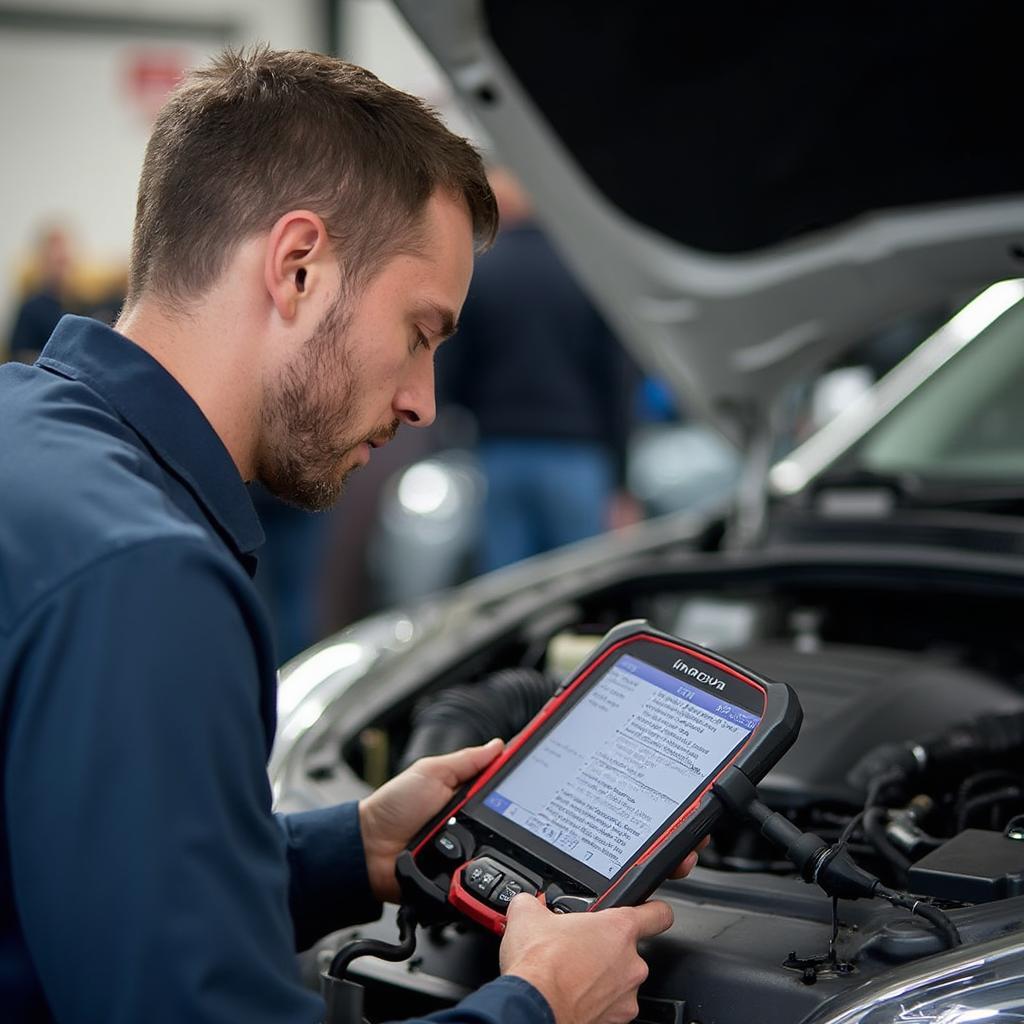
525,905
462,765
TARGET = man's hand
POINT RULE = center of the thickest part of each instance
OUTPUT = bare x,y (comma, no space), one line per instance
585,965
689,862
392,815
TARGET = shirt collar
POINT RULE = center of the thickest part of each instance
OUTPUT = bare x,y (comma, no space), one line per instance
165,416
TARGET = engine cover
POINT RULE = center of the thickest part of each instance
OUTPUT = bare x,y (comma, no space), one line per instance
857,698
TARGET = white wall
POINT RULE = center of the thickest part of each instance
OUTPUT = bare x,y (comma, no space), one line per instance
73,130
74,133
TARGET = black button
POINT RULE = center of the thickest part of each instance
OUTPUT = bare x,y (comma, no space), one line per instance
482,876
505,893
570,904
449,846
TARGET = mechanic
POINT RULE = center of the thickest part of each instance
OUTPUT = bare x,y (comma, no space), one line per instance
303,243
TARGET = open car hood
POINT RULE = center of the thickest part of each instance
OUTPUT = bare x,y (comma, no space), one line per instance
746,192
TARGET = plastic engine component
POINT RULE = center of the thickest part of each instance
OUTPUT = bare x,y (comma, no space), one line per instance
976,866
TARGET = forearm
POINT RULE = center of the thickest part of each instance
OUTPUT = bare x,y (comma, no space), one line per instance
329,886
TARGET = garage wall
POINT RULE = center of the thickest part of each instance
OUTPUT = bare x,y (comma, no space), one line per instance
79,81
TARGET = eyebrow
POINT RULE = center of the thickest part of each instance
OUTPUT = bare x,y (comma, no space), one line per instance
449,325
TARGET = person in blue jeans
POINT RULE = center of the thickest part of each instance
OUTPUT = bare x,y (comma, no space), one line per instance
303,243
550,389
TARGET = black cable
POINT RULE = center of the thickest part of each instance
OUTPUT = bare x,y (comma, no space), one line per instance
982,777
966,803
890,778
926,910
829,867
874,792
998,796
972,782
404,949
835,930
875,820
851,827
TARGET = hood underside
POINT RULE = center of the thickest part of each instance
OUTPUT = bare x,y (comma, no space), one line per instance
745,192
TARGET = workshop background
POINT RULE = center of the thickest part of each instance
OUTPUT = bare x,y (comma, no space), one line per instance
81,83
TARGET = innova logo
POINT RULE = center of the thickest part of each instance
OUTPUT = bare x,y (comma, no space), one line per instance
701,677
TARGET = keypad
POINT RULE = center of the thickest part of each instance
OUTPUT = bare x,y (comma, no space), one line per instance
495,883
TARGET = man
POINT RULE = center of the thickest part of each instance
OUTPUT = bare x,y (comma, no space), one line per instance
48,297
303,243
550,389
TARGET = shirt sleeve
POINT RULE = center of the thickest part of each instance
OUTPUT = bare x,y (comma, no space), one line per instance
506,1000
149,875
328,884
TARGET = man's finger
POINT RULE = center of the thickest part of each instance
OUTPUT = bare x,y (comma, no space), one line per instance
651,918
461,765
684,867
524,905
689,862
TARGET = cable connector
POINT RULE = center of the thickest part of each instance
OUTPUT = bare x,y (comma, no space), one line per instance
839,875
832,869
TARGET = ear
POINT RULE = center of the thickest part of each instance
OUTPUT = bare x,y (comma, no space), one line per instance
298,255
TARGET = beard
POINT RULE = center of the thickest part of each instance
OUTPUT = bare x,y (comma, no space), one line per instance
307,420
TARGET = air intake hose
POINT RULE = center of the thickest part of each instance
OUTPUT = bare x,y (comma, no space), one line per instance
989,735
464,716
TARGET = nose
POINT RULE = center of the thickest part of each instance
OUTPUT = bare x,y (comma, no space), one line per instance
414,402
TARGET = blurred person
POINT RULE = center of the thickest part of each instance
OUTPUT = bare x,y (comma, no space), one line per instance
104,299
48,296
551,390
303,243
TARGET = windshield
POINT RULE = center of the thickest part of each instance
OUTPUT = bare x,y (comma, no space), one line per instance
966,422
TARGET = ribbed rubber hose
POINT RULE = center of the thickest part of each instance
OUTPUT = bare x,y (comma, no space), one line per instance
464,716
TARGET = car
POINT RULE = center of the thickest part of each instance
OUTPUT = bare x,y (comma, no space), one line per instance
746,194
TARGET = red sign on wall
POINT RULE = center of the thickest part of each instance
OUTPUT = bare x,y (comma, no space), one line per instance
150,75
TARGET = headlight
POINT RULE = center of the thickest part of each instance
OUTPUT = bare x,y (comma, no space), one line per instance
984,982
315,680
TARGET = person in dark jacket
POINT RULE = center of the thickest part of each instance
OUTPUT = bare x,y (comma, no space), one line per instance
550,389
48,299
303,243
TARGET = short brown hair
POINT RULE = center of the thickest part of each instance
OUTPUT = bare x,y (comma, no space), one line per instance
257,133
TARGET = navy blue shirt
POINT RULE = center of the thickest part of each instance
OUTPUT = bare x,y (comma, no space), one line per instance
142,873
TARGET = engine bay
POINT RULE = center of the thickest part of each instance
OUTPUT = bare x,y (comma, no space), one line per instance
881,659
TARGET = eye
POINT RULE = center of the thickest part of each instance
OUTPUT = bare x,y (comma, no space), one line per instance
420,340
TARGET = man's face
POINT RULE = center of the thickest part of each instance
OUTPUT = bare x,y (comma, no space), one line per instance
368,366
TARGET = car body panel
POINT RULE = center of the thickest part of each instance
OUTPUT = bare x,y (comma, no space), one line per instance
731,329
